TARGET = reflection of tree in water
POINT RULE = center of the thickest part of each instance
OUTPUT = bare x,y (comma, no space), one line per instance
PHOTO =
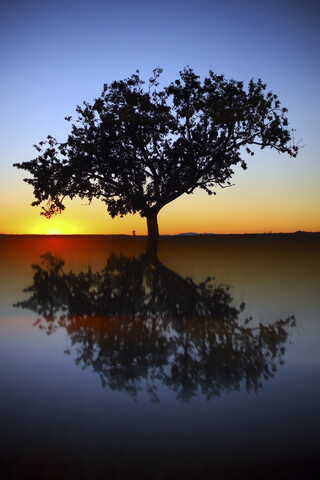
137,323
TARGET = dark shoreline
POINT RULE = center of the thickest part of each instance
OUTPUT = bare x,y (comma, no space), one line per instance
300,234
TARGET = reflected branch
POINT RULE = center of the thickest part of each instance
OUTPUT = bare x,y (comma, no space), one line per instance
139,325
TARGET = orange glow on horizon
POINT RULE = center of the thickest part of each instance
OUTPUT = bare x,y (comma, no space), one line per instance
230,211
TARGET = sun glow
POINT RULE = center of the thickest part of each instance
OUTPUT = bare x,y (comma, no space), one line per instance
236,210
54,226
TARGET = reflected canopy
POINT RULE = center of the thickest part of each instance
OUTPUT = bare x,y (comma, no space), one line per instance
139,325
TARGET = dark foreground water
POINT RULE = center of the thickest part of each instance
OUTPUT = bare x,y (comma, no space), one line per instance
200,363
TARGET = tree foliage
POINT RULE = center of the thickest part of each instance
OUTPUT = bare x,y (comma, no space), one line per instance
139,147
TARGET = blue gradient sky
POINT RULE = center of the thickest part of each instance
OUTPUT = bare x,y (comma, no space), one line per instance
55,54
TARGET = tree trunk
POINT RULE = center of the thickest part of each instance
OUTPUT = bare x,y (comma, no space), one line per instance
152,224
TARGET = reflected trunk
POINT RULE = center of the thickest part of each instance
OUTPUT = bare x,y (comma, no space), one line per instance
152,248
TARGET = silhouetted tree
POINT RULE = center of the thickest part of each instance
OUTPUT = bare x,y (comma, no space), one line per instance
139,149
137,322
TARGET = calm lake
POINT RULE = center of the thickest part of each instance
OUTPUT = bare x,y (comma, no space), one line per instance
200,362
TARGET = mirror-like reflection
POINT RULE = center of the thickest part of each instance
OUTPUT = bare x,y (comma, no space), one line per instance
138,324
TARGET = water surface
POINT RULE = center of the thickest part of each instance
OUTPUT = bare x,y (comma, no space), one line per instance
200,362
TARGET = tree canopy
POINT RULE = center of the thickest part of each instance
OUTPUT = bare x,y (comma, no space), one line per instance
139,147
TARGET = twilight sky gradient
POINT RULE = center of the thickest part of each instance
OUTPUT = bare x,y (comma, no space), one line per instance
55,54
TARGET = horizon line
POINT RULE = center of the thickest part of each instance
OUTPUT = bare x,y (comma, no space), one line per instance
186,234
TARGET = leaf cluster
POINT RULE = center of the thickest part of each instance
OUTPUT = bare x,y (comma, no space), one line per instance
139,147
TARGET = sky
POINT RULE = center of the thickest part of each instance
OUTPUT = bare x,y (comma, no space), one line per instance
56,54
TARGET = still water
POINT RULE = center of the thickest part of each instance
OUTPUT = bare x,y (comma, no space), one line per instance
200,362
